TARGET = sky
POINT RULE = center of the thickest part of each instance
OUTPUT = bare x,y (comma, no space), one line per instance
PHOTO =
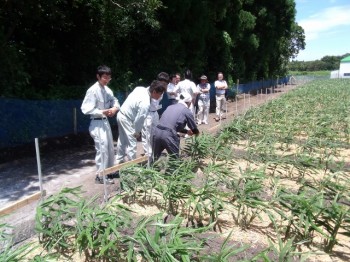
327,28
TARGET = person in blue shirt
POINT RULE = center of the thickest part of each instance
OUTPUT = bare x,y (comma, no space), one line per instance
173,120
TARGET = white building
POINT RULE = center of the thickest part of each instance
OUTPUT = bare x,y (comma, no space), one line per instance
335,74
344,69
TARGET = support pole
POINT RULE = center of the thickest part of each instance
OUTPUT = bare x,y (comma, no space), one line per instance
237,96
244,102
249,100
39,166
149,145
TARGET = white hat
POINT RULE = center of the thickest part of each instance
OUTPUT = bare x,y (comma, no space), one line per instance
186,97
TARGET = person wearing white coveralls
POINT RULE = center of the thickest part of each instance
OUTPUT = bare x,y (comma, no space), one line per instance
220,86
152,118
100,103
203,101
131,118
189,87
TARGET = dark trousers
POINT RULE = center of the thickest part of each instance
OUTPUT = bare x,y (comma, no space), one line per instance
165,138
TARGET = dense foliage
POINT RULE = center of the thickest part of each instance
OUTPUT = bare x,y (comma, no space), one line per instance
50,49
325,63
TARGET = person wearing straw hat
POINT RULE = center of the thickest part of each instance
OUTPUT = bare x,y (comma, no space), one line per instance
173,121
203,101
220,86
100,103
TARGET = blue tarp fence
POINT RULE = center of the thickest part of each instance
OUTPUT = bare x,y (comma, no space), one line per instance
25,120
257,85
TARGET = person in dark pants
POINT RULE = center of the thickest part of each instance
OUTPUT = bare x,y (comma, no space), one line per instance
174,120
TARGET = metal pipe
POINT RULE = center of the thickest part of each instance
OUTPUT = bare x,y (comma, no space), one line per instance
39,166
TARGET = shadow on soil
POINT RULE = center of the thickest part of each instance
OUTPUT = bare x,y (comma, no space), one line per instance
62,155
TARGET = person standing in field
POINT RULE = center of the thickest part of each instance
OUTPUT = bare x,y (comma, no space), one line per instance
220,87
100,103
172,90
132,115
187,86
203,101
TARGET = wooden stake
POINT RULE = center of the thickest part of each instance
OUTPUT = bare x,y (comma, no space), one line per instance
115,168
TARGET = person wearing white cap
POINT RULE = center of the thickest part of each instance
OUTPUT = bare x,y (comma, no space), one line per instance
173,120
203,101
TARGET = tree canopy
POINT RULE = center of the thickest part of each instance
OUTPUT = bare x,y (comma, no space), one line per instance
326,63
50,49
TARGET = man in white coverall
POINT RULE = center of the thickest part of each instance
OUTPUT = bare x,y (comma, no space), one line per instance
131,118
152,118
100,103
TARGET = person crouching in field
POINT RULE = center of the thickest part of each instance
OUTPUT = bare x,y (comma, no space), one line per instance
174,120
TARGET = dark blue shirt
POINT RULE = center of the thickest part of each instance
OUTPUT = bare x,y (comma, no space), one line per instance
177,116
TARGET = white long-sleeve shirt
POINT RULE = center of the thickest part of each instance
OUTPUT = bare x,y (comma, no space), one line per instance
98,98
136,106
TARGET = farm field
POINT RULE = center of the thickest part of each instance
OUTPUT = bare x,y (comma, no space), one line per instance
272,185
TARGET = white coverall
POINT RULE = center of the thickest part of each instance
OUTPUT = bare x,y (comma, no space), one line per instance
98,98
130,120
151,121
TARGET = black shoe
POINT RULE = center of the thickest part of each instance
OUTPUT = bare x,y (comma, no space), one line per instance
98,180
114,175
109,180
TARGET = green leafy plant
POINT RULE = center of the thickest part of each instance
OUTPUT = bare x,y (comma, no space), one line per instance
99,230
246,197
334,218
226,252
55,219
198,147
7,250
305,207
155,241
